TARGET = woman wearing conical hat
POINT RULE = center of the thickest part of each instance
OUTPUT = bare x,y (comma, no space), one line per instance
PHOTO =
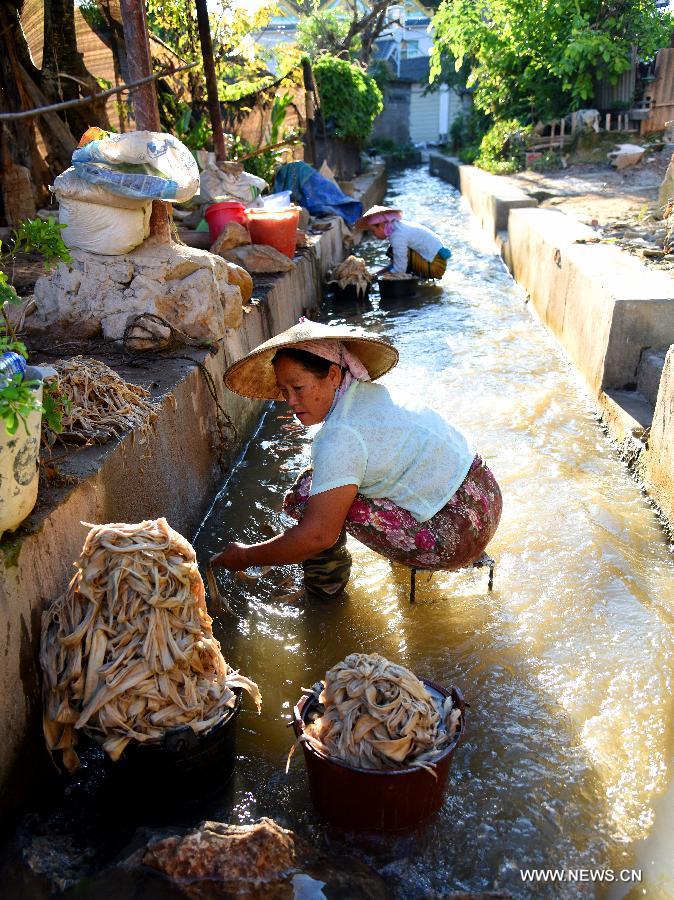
414,249
401,480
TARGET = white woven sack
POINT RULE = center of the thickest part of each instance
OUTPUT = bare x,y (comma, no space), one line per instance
69,185
108,230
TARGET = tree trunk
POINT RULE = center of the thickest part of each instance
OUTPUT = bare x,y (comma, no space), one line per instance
18,148
23,86
64,75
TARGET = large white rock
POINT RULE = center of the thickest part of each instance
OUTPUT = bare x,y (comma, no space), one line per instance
626,155
96,295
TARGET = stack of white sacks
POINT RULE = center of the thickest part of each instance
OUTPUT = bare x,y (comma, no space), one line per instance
105,197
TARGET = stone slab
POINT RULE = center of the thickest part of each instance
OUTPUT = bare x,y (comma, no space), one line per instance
370,187
604,306
649,374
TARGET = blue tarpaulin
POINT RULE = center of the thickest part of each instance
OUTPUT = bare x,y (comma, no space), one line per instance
319,195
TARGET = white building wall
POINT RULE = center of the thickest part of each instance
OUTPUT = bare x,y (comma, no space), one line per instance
431,115
424,115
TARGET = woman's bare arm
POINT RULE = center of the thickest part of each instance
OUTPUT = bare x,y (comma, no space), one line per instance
319,529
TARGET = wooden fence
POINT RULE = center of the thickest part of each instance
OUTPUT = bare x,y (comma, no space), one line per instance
661,93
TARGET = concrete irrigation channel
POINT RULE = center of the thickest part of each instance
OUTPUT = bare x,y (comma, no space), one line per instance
567,664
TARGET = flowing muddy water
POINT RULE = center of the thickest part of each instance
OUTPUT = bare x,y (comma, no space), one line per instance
567,663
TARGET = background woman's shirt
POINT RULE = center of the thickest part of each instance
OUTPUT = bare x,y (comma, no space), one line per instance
411,456
407,236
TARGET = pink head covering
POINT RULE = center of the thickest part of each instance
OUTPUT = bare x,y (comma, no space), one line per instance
387,219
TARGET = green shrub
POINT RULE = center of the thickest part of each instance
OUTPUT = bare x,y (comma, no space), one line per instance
502,148
534,61
350,98
547,161
466,133
390,148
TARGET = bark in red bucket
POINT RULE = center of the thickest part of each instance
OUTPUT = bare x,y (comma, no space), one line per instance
376,799
218,214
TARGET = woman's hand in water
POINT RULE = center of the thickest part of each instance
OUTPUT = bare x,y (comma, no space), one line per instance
233,557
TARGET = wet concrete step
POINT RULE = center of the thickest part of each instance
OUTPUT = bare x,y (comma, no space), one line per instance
649,373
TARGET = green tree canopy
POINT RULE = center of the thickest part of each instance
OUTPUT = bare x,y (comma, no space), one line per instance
323,31
348,31
349,97
237,57
537,60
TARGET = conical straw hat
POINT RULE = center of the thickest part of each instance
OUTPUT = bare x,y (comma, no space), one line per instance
253,375
364,220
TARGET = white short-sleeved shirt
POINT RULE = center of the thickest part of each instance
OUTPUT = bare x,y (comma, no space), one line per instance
407,236
410,456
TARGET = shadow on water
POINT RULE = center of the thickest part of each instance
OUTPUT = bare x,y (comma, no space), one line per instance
567,664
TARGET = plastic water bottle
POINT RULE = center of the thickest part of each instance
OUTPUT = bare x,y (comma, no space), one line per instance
11,364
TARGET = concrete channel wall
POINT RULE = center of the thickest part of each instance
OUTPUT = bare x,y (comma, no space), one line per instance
606,308
172,471
657,465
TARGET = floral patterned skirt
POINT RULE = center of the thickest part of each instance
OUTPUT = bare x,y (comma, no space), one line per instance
454,537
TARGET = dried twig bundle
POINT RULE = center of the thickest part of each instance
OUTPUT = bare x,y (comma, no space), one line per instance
378,715
101,405
128,651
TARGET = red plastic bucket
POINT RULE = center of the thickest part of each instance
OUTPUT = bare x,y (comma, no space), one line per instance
218,214
276,228
375,799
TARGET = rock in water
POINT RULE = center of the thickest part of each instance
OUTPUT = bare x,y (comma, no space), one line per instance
262,861
257,853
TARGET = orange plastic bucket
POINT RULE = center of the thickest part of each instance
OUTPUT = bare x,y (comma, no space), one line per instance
218,214
276,228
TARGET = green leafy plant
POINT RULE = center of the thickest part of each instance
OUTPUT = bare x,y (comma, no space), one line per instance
195,132
32,236
350,98
43,237
503,146
466,133
547,161
266,164
279,111
324,31
534,61
55,406
18,397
